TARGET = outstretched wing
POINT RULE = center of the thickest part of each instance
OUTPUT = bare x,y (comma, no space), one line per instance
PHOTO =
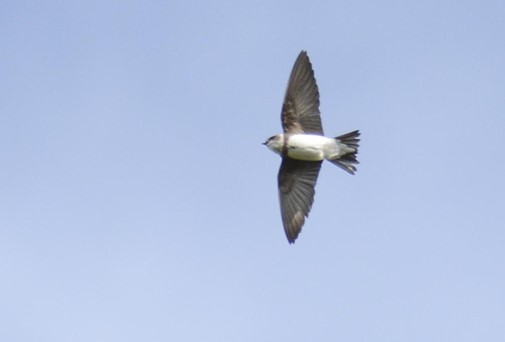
300,110
297,180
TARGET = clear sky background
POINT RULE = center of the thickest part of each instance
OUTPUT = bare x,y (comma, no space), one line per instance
138,204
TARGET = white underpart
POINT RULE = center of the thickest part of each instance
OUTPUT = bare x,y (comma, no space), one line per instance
310,147
316,147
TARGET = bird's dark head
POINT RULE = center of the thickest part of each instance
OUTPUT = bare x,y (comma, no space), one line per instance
275,143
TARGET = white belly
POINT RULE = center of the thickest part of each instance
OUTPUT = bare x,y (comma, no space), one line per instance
309,147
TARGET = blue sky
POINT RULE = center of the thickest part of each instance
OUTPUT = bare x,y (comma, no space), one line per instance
137,202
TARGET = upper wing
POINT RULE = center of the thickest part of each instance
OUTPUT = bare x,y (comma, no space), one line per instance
297,179
300,110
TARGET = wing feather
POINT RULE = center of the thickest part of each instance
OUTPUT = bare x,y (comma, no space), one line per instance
300,110
297,180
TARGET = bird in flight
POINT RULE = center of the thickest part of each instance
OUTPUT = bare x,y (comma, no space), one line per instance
303,147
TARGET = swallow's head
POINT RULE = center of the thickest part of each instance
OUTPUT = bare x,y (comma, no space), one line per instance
275,143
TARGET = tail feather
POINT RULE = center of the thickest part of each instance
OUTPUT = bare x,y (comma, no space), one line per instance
348,160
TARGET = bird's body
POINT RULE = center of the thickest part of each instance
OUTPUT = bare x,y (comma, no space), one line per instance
303,147
308,147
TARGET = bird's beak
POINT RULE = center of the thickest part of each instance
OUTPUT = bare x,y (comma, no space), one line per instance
263,143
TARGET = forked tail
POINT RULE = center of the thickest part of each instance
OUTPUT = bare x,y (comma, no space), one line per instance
348,160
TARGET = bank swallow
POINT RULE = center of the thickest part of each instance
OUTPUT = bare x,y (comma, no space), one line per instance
303,147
